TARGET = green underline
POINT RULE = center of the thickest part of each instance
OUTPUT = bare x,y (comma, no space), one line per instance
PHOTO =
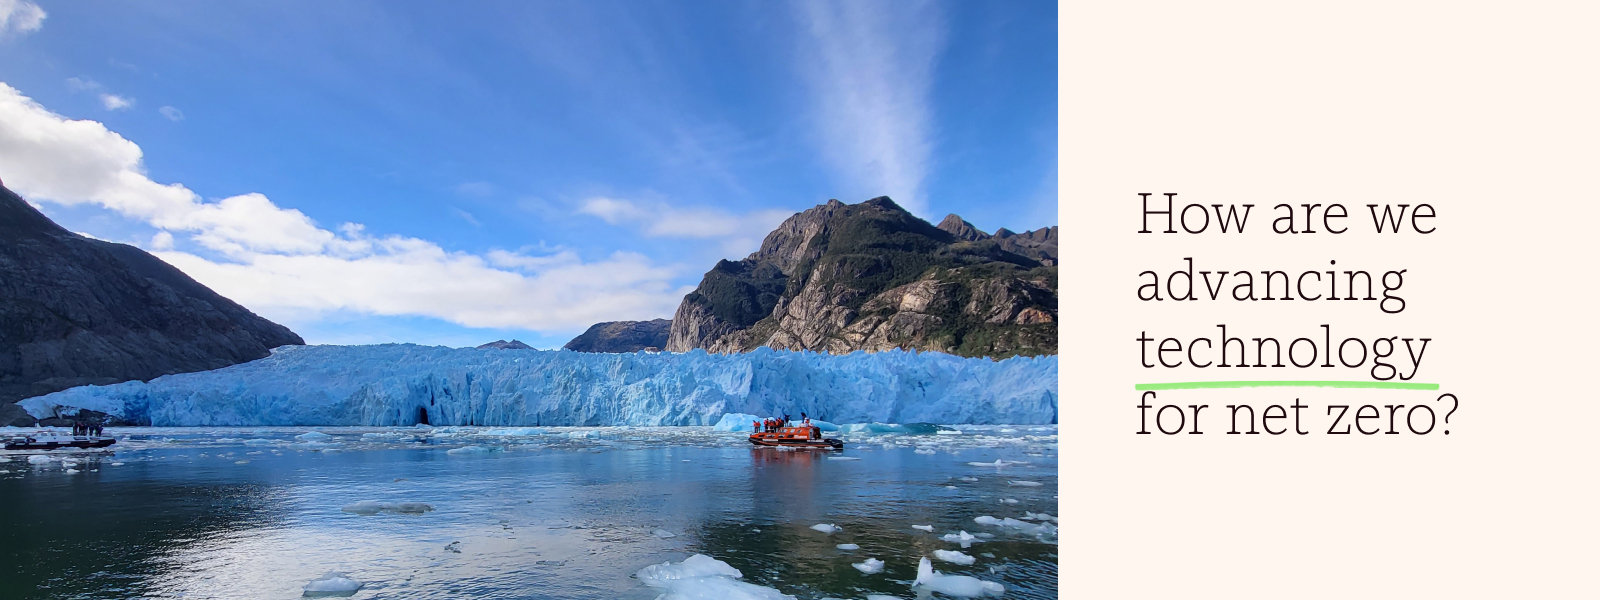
1205,385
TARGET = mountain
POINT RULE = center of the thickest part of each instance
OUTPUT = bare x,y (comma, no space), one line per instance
622,336
505,345
871,276
76,310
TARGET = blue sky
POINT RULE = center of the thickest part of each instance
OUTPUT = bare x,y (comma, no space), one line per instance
454,173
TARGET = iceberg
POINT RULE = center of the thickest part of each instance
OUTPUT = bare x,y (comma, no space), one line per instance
332,584
405,384
954,585
702,577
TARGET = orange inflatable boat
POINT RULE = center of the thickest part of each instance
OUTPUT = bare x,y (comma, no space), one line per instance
796,437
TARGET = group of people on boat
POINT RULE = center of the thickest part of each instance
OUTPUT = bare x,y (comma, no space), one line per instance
87,428
772,424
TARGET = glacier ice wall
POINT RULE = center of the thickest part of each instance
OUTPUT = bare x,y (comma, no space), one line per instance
393,384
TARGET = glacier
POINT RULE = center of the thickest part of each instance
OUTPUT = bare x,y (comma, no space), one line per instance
399,384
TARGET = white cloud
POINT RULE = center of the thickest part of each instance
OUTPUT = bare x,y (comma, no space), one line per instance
171,113
663,220
870,67
280,263
79,84
115,102
20,17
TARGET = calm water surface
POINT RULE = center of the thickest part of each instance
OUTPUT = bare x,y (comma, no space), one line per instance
518,513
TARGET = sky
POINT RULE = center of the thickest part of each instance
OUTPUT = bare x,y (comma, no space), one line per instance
456,173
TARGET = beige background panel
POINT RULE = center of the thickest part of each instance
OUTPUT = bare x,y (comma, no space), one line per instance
1487,112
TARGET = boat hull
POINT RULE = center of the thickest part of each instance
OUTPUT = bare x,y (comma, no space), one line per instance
53,444
822,444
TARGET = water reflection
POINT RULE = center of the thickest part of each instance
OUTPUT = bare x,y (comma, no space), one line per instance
256,514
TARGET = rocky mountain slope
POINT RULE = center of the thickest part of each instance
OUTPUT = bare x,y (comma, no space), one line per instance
872,276
622,336
77,311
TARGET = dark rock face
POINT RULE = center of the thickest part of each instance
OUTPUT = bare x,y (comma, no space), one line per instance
871,276
505,345
77,311
622,336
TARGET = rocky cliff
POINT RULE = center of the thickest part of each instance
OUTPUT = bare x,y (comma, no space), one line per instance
505,345
77,311
872,276
622,336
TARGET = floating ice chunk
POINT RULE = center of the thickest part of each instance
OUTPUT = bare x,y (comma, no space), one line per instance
259,442
364,507
409,508
997,463
965,539
1024,483
951,487
117,464
881,597
663,534
954,556
332,584
1008,500
70,471
467,450
924,451
844,458
948,432
1042,530
848,547
1032,516
954,585
313,436
701,577
372,507
927,528
869,566
828,528
247,461
987,520
331,451
969,479
735,422
39,459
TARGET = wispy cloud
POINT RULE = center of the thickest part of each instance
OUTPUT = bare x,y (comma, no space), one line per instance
115,102
282,264
480,189
18,17
659,219
171,113
870,68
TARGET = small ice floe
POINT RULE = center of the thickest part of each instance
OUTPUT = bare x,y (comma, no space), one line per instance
828,528
882,597
1033,516
331,450
998,463
1008,500
1024,483
925,451
310,436
117,464
701,576
970,479
372,507
70,471
954,556
927,528
39,459
869,566
848,547
332,584
965,539
468,450
951,487
663,534
953,585
948,432
1042,530
844,458
260,442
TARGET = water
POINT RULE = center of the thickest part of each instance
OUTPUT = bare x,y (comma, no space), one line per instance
518,513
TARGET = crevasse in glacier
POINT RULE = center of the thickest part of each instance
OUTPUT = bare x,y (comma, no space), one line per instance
400,384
